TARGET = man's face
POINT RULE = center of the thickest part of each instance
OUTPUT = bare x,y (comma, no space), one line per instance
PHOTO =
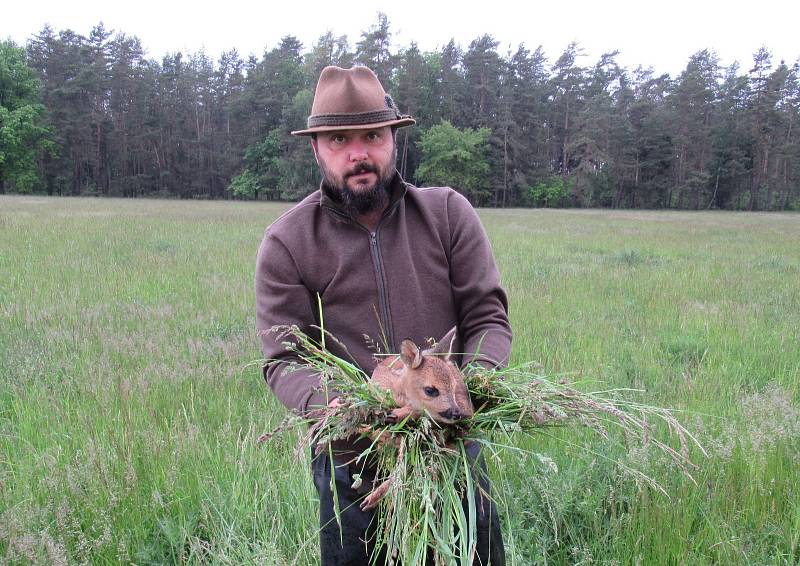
357,165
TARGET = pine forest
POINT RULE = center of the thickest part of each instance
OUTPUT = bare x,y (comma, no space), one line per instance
93,115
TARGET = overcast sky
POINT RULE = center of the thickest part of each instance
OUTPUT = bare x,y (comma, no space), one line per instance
662,37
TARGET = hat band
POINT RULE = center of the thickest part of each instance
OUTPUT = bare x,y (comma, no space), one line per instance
356,119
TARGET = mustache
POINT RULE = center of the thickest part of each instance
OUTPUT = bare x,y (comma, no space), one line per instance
361,168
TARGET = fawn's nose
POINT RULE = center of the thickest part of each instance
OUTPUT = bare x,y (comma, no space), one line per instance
452,415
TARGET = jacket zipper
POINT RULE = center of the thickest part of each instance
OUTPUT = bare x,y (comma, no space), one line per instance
375,251
383,299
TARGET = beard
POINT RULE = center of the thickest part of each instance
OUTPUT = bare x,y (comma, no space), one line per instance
367,198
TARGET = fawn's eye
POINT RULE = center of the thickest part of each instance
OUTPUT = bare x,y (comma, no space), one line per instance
431,392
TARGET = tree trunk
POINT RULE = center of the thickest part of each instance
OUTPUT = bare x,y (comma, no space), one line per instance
403,160
97,172
505,165
680,178
768,203
564,149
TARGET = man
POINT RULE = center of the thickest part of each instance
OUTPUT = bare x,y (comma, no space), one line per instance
388,261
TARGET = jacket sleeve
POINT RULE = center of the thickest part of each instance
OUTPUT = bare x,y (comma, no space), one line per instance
481,302
283,299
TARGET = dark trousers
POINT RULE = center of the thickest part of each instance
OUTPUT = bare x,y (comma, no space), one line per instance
355,544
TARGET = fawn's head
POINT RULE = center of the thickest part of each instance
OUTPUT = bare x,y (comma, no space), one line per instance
433,383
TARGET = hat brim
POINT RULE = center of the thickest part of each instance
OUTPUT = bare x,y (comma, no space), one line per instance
401,123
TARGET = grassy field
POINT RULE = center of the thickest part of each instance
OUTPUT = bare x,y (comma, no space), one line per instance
129,405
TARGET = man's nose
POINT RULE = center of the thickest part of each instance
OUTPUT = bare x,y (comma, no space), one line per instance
358,151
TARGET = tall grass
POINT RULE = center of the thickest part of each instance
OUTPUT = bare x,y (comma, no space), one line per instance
128,411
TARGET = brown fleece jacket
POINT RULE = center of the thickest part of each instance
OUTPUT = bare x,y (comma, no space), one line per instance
427,267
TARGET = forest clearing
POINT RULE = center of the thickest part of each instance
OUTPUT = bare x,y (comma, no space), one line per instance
131,395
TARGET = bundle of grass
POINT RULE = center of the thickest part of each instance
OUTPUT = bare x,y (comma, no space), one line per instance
428,489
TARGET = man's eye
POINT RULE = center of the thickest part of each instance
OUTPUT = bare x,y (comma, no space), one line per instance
431,392
337,139
372,136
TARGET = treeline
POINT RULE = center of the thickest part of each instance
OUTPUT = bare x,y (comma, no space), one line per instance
507,128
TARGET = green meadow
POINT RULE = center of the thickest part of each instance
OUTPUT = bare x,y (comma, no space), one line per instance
131,397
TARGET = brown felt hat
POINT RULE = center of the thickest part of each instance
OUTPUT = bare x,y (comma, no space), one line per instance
351,99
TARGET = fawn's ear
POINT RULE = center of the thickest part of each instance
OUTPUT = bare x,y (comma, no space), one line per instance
445,345
410,354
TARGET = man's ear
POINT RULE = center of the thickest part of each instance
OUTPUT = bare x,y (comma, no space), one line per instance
314,147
